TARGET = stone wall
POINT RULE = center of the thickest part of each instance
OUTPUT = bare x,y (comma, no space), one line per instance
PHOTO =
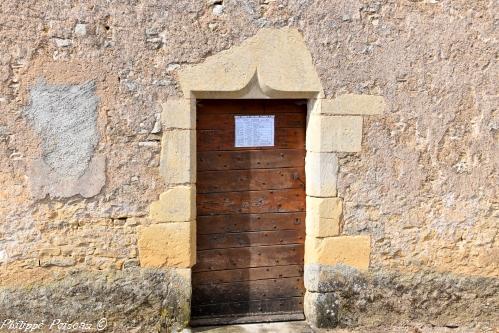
74,194
127,300
343,296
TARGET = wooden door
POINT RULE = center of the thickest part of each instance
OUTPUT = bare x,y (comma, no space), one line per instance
250,216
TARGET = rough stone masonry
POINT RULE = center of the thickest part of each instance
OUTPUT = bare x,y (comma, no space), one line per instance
81,88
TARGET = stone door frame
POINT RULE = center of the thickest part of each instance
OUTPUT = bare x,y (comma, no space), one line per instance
275,63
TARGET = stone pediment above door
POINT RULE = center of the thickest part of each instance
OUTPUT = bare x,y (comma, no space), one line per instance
275,63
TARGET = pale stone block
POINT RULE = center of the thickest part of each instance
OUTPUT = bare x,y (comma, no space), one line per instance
50,251
177,204
358,105
167,245
321,170
323,217
321,309
178,157
330,208
57,262
334,133
314,106
80,29
312,275
322,227
351,104
348,250
179,113
278,57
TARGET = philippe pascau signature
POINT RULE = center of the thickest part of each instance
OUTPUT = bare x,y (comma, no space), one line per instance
56,325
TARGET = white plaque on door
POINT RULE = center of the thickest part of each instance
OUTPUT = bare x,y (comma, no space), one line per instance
254,131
